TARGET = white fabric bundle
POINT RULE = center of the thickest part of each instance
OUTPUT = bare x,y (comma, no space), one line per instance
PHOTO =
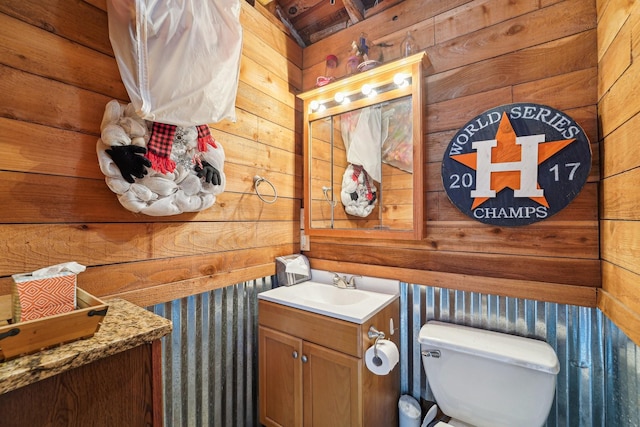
363,134
158,194
362,206
179,60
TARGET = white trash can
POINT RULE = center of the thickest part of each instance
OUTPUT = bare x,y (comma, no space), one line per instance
410,412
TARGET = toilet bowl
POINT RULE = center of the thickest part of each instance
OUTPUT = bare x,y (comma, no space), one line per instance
482,378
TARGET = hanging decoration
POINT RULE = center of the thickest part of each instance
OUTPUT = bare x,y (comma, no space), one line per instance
179,62
516,164
189,169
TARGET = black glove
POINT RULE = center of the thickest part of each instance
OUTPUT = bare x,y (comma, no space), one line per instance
374,196
209,173
129,161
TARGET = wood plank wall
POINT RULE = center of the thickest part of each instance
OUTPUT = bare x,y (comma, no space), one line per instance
485,53
57,72
619,110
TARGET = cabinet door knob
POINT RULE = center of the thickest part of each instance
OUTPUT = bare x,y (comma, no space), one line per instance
295,354
304,359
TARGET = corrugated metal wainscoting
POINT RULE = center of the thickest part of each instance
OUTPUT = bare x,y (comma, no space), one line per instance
210,360
622,378
598,383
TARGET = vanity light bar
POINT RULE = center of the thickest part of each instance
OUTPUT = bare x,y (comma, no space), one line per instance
370,90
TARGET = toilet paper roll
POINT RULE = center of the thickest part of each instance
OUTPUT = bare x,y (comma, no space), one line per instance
388,357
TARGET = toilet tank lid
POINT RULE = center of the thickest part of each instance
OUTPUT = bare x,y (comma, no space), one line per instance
526,352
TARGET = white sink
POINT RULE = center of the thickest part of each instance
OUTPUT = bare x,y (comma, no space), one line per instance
352,305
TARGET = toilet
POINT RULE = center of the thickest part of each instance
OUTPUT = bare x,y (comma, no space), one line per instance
482,378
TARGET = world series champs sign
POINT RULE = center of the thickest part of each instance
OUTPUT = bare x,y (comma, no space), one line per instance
516,164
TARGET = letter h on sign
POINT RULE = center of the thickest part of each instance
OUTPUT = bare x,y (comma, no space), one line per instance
527,166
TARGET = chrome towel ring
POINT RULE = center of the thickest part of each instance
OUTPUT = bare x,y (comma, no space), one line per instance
325,191
257,180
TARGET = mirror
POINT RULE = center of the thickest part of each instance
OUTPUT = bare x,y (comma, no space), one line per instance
364,155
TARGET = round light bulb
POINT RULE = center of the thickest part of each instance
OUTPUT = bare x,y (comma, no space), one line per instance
366,89
313,105
398,79
345,100
321,108
339,97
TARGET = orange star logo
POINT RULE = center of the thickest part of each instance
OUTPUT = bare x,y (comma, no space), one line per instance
508,150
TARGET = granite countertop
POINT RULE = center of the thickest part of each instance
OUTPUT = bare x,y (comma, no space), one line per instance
125,326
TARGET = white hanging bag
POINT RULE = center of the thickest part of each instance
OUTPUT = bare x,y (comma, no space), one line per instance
179,59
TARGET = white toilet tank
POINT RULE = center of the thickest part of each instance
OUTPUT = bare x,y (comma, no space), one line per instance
487,378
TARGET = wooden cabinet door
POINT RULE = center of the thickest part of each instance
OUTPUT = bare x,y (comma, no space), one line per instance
280,378
332,388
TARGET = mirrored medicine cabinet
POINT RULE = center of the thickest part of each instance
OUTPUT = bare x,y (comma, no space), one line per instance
364,154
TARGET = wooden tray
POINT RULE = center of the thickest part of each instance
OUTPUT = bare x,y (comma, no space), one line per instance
34,335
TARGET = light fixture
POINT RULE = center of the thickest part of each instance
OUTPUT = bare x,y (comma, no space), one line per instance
369,90
400,80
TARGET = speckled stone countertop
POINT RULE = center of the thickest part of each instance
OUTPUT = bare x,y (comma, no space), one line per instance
125,326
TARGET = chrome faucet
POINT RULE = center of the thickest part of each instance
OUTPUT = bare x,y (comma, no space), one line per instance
342,282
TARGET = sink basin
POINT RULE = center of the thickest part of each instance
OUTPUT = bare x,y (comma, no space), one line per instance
352,305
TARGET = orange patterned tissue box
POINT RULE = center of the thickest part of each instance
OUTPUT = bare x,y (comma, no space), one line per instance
43,293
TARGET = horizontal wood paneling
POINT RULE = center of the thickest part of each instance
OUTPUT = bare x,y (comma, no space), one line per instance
620,149
85,200
38,51
477,15
617,197
485,53
528,289
619,110
559,20
57,72
439,208
579,272
621,243
572,53
622,100
72,19
49,102
99,244
392,23
615,61
621,284
621,314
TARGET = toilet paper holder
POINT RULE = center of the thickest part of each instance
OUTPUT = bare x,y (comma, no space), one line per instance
375,334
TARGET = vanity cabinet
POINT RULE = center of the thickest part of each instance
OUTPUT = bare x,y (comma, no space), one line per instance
111,379
312,370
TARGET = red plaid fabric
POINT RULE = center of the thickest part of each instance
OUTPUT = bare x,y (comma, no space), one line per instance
357,170
161,142
205,138
159,147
